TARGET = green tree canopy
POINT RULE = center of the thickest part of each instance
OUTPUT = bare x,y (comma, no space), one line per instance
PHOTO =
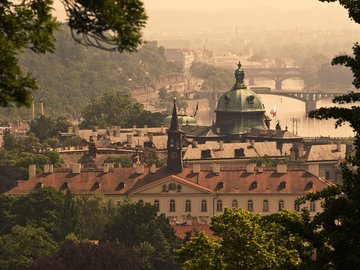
134,223
109,24
86,256
338,245
247,240
23,245
118,109
46,127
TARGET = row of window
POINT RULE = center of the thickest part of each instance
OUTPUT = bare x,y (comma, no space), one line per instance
234,203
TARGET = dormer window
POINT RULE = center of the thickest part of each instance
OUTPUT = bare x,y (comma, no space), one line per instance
239,153
205,153
250,99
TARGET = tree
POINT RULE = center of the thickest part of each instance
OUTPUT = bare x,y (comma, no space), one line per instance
201,252
110,25
90,256
247,240
117,109
46,127
338,246
133,224
20,248
41,208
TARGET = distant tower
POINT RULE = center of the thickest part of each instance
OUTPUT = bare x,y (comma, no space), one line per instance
174,145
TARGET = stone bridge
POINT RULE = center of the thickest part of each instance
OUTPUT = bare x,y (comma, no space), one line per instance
276,74
309,98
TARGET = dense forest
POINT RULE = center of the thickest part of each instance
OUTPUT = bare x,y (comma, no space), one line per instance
75,74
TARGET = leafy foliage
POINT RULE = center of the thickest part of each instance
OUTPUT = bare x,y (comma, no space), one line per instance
339,243
109,25
118,109
90,256
23,245
133,224
24,24
46,127
125,161
249,241
216,79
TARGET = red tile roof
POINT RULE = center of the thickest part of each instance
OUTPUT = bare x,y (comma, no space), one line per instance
230,180
181,230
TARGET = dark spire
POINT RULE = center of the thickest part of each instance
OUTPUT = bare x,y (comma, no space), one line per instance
239,76
174,119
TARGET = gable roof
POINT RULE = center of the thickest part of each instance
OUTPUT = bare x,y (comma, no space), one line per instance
171,178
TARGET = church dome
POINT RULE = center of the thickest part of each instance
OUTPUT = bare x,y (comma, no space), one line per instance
240,98
240,109
183,120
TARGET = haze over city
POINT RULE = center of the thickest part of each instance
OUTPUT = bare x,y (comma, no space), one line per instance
179,135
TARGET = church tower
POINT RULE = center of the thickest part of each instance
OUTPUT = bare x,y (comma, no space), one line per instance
174,144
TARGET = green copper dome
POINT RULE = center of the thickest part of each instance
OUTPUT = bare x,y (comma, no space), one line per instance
183,120
240,109
239,98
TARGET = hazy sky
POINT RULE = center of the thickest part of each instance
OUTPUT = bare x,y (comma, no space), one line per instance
216,5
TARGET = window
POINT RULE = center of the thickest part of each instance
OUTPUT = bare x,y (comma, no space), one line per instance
187,206
141,202
234,203
250,205
281,205
265,206
203,206
327,175
312,207
157,205
296,206
172,206
219,205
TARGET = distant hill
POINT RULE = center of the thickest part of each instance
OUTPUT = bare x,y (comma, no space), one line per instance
75,74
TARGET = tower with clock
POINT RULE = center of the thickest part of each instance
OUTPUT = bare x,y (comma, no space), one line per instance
174,144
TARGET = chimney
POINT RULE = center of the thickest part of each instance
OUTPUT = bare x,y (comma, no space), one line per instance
139,168
281,168
51,168
300,147
76,168
221,145
76,130
70,130
338,147
215,168
194,144
106,168
260,169
139,132
153,168
250,167
196,168
314,169
145,127
129,138
162,129
46,168
32,171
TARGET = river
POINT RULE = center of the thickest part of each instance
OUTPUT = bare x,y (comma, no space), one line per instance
291,113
